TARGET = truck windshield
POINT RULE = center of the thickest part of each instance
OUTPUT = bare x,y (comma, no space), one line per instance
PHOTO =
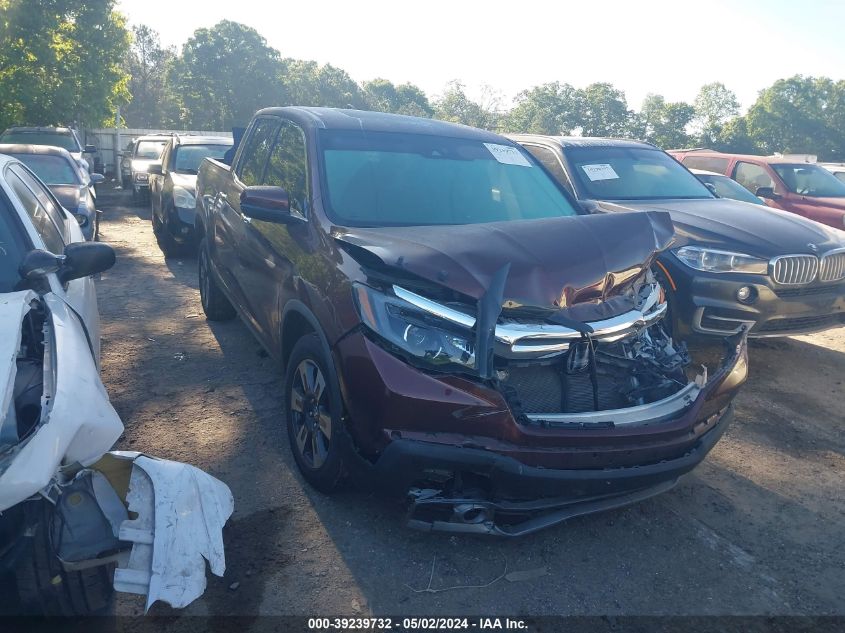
189,157
631,173
810,180
394,179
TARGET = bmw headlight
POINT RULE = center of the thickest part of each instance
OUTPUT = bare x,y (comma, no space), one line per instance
434,341
716,261
183,198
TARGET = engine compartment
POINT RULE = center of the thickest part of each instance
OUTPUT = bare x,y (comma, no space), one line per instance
28,390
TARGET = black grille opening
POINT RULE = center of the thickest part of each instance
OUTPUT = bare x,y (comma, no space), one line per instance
544,389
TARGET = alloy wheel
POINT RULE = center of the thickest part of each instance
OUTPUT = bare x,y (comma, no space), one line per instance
310,414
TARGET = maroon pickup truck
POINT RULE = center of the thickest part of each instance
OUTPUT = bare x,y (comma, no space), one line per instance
783,182
454,326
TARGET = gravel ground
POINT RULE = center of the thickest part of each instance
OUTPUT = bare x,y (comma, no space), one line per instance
756,529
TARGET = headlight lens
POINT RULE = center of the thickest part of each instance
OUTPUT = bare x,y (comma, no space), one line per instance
422,335
715,261
82,220
183,198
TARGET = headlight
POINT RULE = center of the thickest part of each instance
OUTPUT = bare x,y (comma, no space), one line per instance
422,335
82,220
183,198
714,261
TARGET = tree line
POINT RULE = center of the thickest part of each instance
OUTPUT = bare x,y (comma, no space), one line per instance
75,61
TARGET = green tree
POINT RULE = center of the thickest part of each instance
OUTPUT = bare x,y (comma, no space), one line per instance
226,73
714,106
800,115
604,111
384,96
61,61
153,103
309,84
454,105
734,137
551,108
662,123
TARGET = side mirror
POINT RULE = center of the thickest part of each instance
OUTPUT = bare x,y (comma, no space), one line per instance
767,193
712,188
154,169
270,204
90,149
96,179
80,259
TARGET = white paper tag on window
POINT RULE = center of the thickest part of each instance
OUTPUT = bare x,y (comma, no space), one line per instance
507,154
599,172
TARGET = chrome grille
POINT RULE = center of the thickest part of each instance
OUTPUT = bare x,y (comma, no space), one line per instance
832,267
792,270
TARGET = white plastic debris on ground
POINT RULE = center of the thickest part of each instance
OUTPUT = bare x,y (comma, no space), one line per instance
181,512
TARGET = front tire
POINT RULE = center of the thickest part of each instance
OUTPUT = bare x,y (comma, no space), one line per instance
314,412
215,304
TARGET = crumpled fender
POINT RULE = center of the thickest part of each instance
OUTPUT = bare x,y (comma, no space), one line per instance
181,511
80,423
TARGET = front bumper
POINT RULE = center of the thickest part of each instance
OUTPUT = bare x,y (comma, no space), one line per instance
180,223
707,305
420,430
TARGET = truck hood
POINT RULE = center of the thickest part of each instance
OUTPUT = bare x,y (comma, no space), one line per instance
68,195
731,224
554,263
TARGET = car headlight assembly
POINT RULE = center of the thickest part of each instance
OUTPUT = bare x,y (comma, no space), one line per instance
433,341
183,198
716,261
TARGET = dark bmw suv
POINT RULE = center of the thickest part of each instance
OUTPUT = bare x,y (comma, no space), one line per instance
734,265
453,326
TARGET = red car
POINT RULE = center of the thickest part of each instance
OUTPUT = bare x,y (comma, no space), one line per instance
788,183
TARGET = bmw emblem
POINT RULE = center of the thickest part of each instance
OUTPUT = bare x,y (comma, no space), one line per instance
813,247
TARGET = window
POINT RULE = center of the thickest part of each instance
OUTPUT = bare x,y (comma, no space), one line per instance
51,169
400,179
44,225
727,188
810,180
251,166
165,157
752,176
65,140
288,166
150,150
550,162
708,163
607,172
13,246
189,157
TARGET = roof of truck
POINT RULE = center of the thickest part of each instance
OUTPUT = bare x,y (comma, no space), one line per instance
21,148
343,119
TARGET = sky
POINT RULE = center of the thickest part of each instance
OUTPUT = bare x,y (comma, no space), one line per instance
648,46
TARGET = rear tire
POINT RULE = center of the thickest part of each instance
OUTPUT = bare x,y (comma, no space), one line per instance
215,304
314,411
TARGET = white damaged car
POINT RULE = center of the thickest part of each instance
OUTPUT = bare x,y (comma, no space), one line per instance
77,521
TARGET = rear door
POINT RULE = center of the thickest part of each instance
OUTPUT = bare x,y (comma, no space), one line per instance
231,257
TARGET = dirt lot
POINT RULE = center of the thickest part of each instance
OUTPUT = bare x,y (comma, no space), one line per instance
757,529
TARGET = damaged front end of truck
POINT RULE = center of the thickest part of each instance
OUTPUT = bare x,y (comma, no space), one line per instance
522,373
75,519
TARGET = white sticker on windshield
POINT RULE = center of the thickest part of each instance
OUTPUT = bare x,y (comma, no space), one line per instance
507,155
599,172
